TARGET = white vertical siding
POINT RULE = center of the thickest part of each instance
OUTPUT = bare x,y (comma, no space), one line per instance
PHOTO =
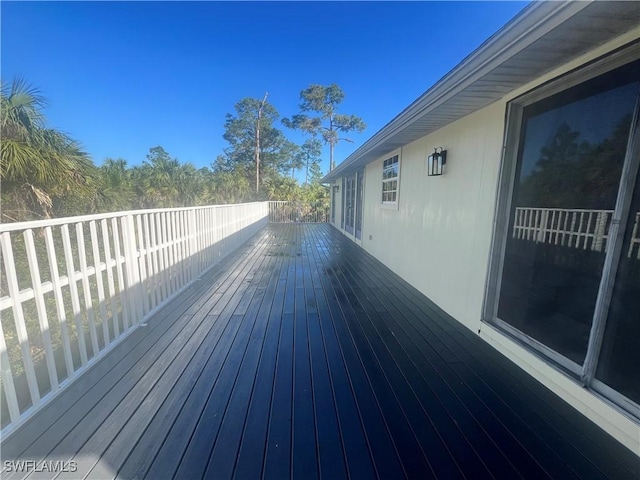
438,239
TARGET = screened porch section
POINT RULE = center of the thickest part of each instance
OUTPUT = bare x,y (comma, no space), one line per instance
301,356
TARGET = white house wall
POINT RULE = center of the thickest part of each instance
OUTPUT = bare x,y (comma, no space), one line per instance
439,237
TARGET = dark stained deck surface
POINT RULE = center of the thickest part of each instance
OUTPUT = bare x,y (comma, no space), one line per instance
302,356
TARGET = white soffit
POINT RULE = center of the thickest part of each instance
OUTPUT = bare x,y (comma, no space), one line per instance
542,37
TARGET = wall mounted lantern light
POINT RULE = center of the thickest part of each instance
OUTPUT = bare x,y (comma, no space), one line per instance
436,162
336,187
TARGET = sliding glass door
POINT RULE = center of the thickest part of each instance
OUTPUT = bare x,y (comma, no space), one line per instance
618,364
567,281
353,201
350,205
359,203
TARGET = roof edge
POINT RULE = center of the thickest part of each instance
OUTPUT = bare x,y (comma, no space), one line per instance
528,25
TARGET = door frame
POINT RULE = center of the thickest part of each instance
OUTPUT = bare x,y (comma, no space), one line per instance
352,204
584,373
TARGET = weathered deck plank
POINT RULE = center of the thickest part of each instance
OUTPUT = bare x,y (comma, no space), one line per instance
304,357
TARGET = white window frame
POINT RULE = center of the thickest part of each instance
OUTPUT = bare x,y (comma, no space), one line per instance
387,203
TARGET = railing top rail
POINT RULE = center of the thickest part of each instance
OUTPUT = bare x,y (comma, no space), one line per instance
12,227
548,209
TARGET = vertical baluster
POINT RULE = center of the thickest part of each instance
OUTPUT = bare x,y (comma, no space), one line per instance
169,243
588,231
88,301
634,240
110,280
18,317
124,300
7,380
599,231
205,248
209,238
636,236
73,288
547,230
159,285
187,251
553,234
178,235
97,265
564,228
57,294
194,235
43,319
151,272
131,269
573,229
181,234
605,234
201,228
580,229
175,241
164,264
142,266
218,232
227,228
166,230
213,237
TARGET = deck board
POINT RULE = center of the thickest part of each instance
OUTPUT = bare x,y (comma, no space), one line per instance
302,356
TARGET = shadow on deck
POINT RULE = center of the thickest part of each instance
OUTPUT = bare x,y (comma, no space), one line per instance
302,356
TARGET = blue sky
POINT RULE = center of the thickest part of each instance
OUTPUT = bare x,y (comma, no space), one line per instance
122,77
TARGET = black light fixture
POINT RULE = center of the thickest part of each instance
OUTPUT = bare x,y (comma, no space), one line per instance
436,162
336,187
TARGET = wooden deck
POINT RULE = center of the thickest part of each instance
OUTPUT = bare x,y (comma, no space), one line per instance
302,356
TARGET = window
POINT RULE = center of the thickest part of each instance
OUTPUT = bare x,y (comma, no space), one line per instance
390,171
565,274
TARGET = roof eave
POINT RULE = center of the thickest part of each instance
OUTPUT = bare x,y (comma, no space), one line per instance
530,25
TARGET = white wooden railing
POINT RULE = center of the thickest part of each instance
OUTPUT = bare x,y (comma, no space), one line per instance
577,228
298,212
74,287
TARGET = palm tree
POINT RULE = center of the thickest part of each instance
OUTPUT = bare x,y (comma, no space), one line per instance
116,187
37,164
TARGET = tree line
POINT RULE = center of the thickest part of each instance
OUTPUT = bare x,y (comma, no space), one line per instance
45,173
